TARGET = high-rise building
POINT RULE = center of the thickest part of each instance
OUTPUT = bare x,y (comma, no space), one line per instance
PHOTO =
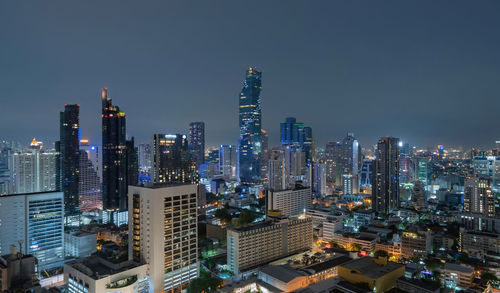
276,169
34,221
296,167
132,163
282,236
250,117
422,170
406,167
385,181
478,197
172,161
33,171
333,153
291,202
350,184
319,178
197,142
488,166
89,189
114,155
350,160
366,173
227,162
298,135
69,152
164,233
265,155
145,156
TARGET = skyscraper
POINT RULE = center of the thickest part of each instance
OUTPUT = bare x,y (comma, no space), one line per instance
196,142
90,193
250,142
132,163
114,156
144,156
276,169
68,165
385,181
298,135
227,162
172,161
478,197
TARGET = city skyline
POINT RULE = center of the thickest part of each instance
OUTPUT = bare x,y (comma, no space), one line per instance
421,86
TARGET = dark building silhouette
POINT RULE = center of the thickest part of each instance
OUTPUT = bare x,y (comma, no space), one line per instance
67,167
385,175
114,156
197,142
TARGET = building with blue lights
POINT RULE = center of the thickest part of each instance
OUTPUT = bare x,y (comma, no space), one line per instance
250,118
297,134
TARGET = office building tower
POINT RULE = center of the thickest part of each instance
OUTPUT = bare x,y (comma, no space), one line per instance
296,167
478,197
79,243
250,117
164,233
277,177
35,222
298,135
94,154
385,181
172,161
291,202
283,237
319,178
196,142
5,178
69,152
227,162
114,155
406,172
145,157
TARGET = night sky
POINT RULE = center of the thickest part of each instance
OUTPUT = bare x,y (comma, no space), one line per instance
425,71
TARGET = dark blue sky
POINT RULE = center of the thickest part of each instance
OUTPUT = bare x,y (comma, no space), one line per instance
426,71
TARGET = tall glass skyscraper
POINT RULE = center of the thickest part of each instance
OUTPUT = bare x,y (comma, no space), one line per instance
114,156
197,141
69,150
385,182
250,118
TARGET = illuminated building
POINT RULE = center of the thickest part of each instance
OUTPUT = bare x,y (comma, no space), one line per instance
277,175
172,161
385,180
418,197
164,233
79,243
114,155
197,142
89,185
250,141
350,184
292,202
145,156
458,275
319,178
350,159
227,162
37,220
332,160
416,243
422,170
366,173
265,155
68,165
488,166
257,244
296,134
478,197
33,171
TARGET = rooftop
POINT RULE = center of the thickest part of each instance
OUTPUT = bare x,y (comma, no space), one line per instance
328,264
97,268
419,283
369,268
283,273
455,267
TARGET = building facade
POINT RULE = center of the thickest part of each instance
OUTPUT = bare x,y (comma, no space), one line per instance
385,181
197,141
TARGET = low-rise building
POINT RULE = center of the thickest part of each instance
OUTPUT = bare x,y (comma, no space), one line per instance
18,271
416,243
479,243
416,286
458,275
79,243
376,273
393,248
97,275
366,241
